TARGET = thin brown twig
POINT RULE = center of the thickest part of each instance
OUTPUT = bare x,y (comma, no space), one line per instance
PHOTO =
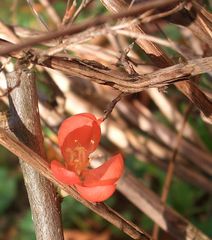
154,17
87,35
97,21
123,60
171,167
83,5
148,37
112,105
37,15
70,9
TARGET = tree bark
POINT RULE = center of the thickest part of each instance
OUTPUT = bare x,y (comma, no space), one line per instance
24,123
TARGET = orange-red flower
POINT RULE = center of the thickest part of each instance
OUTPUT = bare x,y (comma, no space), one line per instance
79,136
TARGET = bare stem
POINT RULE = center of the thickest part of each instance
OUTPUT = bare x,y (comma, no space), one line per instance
25,125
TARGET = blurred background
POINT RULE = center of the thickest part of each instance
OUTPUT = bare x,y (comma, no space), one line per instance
138,127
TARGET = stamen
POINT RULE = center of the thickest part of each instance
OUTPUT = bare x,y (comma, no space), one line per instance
77,159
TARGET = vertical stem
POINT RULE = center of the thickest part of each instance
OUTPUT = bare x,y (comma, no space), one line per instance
24,123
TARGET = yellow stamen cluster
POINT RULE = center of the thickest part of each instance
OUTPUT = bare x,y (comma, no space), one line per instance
78,159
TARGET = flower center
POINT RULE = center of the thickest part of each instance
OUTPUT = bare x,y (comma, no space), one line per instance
77,159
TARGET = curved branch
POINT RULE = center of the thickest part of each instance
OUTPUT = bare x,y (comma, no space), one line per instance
40,165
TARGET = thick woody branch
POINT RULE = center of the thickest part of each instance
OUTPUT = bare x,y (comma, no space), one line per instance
124,82
24,123
98,73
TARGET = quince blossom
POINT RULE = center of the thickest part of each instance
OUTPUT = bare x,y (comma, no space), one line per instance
79,136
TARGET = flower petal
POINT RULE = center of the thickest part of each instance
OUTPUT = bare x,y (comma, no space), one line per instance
106,174
79,130
96,194
74,122
63,174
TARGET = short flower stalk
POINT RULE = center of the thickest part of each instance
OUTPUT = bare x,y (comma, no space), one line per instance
78,137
